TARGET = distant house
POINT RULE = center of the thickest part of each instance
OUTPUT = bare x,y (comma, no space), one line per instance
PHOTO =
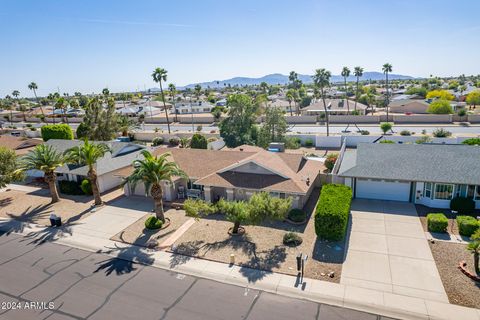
20,145
194,107
334,107
236,175
427,174
121,156
418,106
283,105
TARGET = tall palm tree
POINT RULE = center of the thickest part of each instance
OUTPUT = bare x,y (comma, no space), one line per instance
387,68
321,80
289,96
345,74
358,72
159,75
44,158
105,92
88,154
33,86
198,91
173,92
16,94
152,171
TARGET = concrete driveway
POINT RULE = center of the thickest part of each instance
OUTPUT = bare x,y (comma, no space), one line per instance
388,251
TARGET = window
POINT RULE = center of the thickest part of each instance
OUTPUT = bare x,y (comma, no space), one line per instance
461,190
427,193
471,191
275,194
443,191
477,194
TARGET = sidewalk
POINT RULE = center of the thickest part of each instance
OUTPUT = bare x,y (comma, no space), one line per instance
93,234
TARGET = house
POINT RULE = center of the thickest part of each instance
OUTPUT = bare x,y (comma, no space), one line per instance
428,174
334,107
121,156
283,105
237,174
20,145
194,107
408,106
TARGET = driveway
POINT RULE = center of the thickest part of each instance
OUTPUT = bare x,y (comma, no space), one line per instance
388,251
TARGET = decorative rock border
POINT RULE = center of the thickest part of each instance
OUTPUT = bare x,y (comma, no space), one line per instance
462,265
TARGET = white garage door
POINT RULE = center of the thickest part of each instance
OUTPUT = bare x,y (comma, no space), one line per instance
383,190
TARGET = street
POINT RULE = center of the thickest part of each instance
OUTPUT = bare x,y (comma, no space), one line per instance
50,281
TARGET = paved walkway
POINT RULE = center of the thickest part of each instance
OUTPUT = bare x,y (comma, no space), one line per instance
388,251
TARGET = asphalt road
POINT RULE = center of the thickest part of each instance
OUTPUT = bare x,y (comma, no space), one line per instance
76,284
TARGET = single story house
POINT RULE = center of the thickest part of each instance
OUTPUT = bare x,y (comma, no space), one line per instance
20,145
428,174
194,107
334,107
408,106
237,174
121,156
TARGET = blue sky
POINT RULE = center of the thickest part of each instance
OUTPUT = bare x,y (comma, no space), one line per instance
88,45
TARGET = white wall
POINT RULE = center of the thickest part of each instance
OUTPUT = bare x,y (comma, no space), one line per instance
328,142
108,181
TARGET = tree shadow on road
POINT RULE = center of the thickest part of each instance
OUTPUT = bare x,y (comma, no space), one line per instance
125,260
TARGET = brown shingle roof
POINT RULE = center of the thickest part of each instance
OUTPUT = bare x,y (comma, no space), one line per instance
20,145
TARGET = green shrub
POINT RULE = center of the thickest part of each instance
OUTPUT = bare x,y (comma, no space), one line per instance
198,141
467,225
440,107
385,127
387,141
472,141
462,205
297,215
157,141
331,215
423,139
153,223
82,131
86,187
441,133
308,143
292,239
437,222
197,208
462,112
330,161
56,131
405,133
364,132
174,141
293,143
70,187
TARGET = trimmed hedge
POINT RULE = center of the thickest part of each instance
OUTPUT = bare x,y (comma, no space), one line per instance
462,205
70,188
56,131
331,215
467,225
297,215
153,223
86,187
157,141
437,222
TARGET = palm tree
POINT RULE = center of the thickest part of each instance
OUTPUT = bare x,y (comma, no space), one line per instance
321,80
44,158
289,96
33,86
15,93
125,125
358,72
173,92
152,171
198,91
159,75
387,67
474,247
106,92
88,154
345,74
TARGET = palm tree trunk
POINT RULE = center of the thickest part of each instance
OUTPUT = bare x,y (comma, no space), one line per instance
52,185
386,75
164,106
39,104
356,98
346,98
476,262
92,176
290,106
11,117
159,213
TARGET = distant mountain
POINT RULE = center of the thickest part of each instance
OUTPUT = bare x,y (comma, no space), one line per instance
278,78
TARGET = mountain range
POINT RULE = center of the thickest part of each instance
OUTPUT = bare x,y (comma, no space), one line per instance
278,78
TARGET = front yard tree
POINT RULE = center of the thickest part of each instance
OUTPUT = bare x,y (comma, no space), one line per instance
87,154
273,128
386,126
238,127
321,80
358,72
8,167
473,98
387,68
159,75
440,106
44,158
152,171
33,86
198,141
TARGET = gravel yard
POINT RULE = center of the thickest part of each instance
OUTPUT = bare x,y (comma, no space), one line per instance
460,289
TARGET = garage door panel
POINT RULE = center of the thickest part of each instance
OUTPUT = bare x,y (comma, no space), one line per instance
383,190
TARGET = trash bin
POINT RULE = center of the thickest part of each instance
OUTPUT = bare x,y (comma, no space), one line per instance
53,218
58,221
299,262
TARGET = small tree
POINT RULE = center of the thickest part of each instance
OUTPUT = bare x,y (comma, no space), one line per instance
440,107
473,98
474,247
8,167
198,141
330,161
386,126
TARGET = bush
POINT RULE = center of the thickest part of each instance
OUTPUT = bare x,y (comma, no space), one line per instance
437,222
56,131
292,239
330,161
462,205
467,225
157,141
197,208
199,128
462,112
387,141
441,133
86,187
405,133
331,215
153,223
174,141
423,139
82,131
364,132
386,126
472,141
308,143
297,215
440,107
293,143
33,129
70,187
198,141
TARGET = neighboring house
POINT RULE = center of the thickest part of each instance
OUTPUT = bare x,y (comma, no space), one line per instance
194,107
408,106
283,105
334,107
20,145
236,175
121,156
428,174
